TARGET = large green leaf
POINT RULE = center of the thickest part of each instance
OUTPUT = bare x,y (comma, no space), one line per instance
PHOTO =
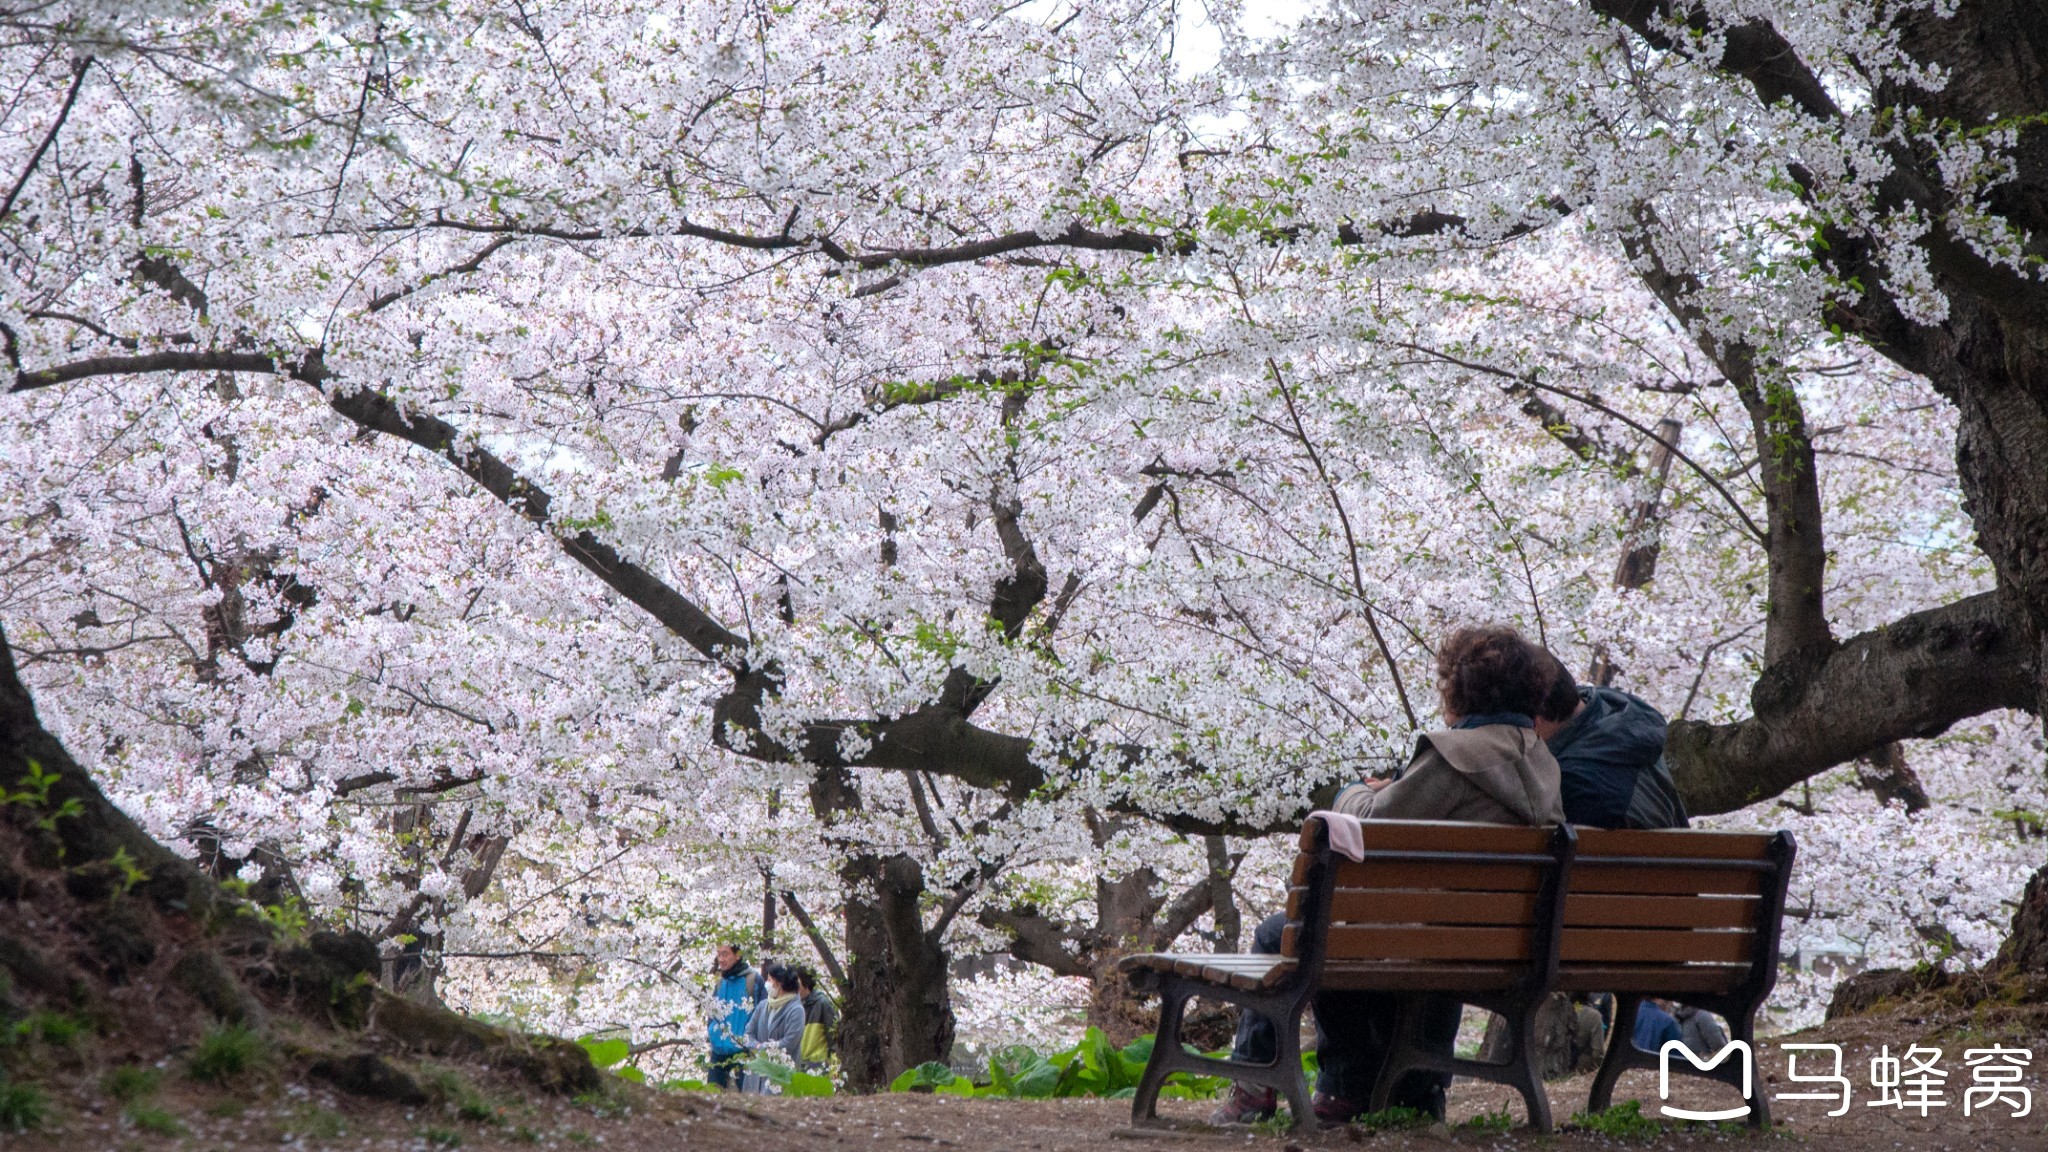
930,1074
769,1068
606,1052
808,1084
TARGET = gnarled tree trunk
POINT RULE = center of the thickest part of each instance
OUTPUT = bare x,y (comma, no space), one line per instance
898,1008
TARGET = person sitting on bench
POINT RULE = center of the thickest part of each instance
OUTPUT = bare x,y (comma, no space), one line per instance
1488,766
1609,747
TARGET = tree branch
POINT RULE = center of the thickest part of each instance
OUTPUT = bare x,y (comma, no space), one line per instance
1036,938
1181,913
1911,678
1754,51
78,69
1795,614
817,938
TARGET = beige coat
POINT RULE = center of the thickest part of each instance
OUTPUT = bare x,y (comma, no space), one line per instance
1494,774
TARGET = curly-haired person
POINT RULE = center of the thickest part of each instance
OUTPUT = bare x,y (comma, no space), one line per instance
1487,766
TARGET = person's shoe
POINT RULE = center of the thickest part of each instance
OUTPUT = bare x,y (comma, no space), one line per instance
1429,1100
1334,1109
1245,1106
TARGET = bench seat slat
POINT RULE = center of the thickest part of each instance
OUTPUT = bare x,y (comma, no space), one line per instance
1265,972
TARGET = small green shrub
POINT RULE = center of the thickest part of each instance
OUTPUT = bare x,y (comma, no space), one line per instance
791,1081
1394,1119
156,1120
131,1082
1094,1067
225,1053
457,1093
310,1121
1278,1124
1500,1122
22,1106
55,1028
1621,1122
441,1137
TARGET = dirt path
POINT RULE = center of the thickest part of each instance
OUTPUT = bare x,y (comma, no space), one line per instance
299,1115
275,1108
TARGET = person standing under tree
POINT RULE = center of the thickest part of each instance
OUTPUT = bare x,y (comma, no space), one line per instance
738,991
821,1023
776,1027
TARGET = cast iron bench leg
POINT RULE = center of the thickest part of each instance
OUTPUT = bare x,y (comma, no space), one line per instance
1621,1042
1284,1074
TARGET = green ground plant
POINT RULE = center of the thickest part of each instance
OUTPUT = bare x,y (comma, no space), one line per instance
792,1081
1394,1119
57,1029
131,1083
226,1053
468,1103
610,1054
1093,1067
317,1123
1621,1122
22,1106
1499,1122
152,1119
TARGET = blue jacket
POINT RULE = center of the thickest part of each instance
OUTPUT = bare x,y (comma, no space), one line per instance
739,989
1610,761
1654,1026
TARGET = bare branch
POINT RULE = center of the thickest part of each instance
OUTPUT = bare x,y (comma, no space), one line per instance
817,938
78,69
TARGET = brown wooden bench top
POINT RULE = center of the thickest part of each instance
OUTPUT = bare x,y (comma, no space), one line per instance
1499,916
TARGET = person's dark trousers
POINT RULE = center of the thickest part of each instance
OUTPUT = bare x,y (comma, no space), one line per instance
1354,1031
1256,1042
1354,1035
723,1071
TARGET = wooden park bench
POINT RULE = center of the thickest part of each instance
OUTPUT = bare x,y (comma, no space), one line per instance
1464,910
1473,912
1686,916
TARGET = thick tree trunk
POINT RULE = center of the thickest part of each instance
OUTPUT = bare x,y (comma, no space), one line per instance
896,1011
2026,947
898,1008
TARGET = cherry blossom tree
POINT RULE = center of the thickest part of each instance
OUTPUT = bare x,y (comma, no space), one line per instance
490,445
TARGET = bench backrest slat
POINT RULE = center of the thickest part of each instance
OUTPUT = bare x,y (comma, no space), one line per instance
1430,891
1415,942
1634,878
1656,945
1593,910
1698,908
1360,906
